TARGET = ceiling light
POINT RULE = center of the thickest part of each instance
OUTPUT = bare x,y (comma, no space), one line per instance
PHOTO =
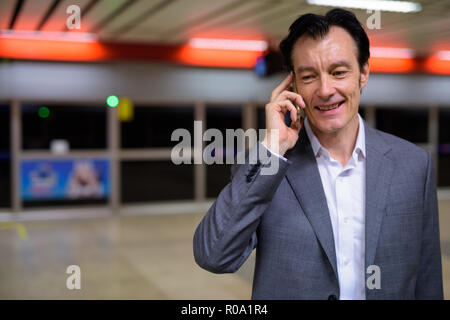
443,55
382,5
383,52
228,44
48,35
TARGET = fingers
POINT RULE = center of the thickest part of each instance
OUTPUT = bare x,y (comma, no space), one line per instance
284,85
282,92
286,105
295,97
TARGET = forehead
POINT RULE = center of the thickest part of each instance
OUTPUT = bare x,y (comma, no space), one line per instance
336,44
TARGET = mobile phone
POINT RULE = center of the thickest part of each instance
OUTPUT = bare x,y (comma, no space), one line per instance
300,111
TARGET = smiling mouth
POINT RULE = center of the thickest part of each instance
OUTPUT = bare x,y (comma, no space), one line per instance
330,106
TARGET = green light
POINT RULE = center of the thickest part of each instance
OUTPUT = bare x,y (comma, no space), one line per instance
112,101
44,112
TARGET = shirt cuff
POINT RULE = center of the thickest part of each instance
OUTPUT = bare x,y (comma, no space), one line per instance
276,154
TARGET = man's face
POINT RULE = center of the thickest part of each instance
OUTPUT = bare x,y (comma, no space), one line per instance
329,79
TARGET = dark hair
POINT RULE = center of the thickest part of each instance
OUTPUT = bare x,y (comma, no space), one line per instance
318,26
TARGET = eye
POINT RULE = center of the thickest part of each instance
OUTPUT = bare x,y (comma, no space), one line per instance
339,74
307,78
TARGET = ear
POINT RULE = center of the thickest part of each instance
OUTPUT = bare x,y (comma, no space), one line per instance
364,75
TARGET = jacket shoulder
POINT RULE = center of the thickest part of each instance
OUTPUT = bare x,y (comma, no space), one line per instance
403,148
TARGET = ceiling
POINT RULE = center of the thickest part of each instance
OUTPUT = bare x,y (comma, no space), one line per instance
176,21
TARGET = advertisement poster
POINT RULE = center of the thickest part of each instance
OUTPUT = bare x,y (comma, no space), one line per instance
65,179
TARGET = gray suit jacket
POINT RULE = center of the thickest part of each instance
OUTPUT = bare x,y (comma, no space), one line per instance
286,218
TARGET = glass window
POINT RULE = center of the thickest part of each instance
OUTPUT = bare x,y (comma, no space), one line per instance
5,180
444,148
82,126
159,180
153,126
4,127
444,126
217,177
5,157
444,168
410,124
222,118
261,118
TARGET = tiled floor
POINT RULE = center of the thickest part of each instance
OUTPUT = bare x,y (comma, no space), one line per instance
141,257
144,257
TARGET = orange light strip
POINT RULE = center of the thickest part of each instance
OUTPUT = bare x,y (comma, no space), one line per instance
55,50
438,63
52,50
391,65
217,58
97,51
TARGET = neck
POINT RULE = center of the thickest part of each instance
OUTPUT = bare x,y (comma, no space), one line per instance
340,144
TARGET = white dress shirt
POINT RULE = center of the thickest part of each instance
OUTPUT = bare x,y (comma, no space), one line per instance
344,189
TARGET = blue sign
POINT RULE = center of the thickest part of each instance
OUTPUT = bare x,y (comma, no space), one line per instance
46,179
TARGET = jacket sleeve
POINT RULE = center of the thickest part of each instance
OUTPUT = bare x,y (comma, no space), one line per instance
227,234
429,280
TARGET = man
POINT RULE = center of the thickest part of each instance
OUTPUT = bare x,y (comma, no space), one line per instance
351,212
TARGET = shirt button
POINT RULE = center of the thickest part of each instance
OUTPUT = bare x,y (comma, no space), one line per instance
345,220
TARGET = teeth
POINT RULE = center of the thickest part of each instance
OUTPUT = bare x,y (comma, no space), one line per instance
329,107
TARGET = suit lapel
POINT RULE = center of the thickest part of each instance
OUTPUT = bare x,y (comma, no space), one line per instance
304,178
379,169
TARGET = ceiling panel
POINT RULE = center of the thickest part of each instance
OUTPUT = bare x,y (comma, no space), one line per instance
179,16
201,27
247,9
129,17
275,24
278,11
57,21
417,31
175,21
31,14
6,12
100,12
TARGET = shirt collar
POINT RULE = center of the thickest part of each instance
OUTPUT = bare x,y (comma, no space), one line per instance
360,146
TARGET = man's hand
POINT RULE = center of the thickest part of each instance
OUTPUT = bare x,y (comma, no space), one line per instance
281,102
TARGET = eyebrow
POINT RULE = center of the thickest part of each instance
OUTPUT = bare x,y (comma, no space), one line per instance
303,69
340,63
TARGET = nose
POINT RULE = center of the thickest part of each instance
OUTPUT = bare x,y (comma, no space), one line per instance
326,88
